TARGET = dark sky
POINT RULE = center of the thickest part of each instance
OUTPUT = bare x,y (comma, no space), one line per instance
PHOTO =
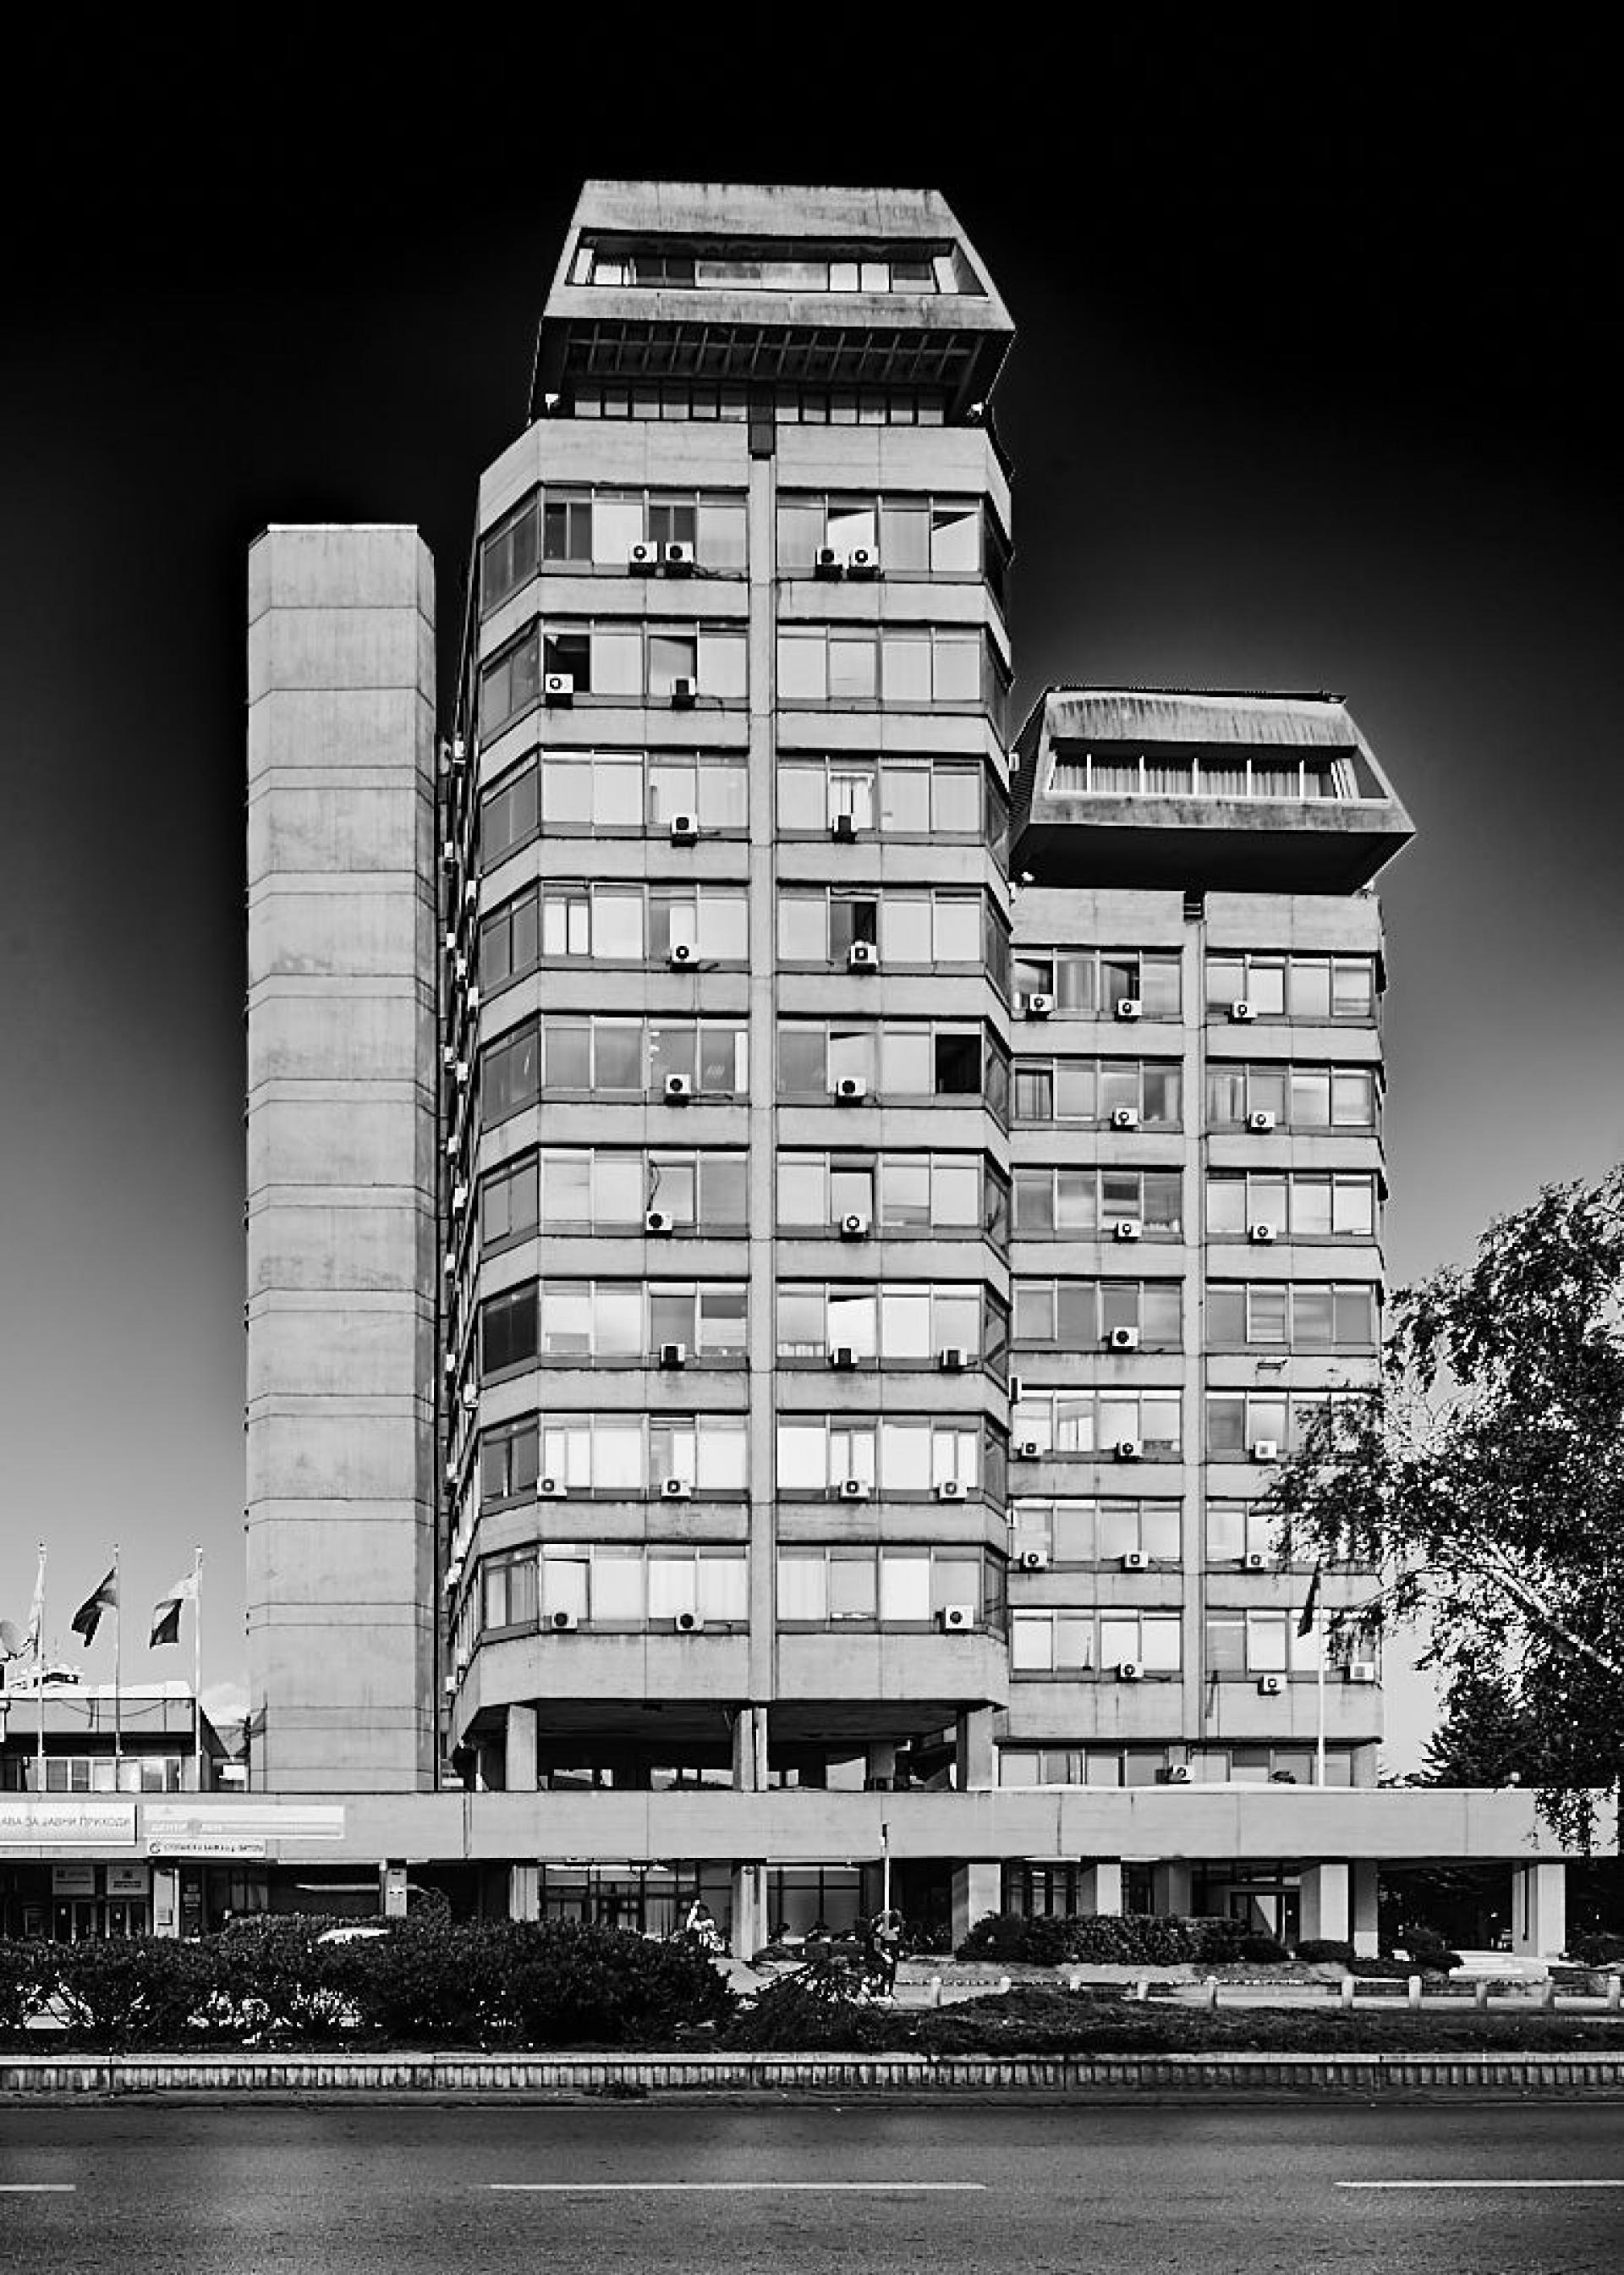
1317,386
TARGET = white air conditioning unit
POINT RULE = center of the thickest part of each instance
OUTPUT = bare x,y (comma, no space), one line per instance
1242,1012
843,829
863,955
449,1362
953,1358
1135,1560
1124,1117
849,1089
956,1619
681,954
678,1089
854,1227
1029,1449
678,558
842,1357
453,1573
675,1489
828,562
1123,1339
1261,1123
660,1220
471,1396
1255,1561
688,1623
684,829
852,1489
1038,1006
1129,1007
1175,1774
453,1144
558,687
673,1356
949,1489
1033,1559
1126,1227
1270,1686
551,1489
448,1263
1261,1236
563,1623
1129,1670
1129,1449
450,1686
471,893
643,556
472,1001
863,561
1362,1670
461,1070
684,693
1266,1449
459,1198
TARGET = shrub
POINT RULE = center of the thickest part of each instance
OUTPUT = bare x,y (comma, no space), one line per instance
276,1980
797,2014
1325,1948
27,1976
428,1978
1596,1950
1105,1939
1266,1950
564,1981
1430,1952
135,1991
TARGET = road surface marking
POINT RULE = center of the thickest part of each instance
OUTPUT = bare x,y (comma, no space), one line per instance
1480,2184
736,2188
38,2188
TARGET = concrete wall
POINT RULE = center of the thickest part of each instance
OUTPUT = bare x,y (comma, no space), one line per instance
341,1158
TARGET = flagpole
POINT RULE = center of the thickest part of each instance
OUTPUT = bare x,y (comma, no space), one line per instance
39,1670
197,1666
1319,1724
117,1678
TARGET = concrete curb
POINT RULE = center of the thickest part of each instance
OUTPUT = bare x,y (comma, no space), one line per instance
1107,2076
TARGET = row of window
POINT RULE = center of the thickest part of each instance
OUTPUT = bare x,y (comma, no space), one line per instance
1118,774
1079,1641
1057,1424
906,536
893,1321
1302,1315
1094,983
598,528
1301,1205
1131,1765
621,1454
621,657
98,1773
613,924
869,663
732,401
633,791
1078,1315
1238,1095
1086,1529
920,928
785,270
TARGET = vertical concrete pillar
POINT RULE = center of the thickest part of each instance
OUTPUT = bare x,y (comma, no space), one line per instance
1171,1888
520,1767
342,1077
749,1924
1362,1925
750,1774
978,1889
880,1766
1325,1913
1539,1910
975,1761
1100,1889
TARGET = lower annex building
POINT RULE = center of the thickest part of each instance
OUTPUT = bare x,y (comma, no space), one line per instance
787,1231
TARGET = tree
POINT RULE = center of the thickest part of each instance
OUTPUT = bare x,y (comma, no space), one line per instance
1483,1488
1485,1738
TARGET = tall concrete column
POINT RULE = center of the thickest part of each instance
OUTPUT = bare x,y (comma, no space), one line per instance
1539,1910
342,1275
1363,1928
520,1769
1100,1887
750,1923
975,1759
1172,1890
750,1749
1325,1904
978,1889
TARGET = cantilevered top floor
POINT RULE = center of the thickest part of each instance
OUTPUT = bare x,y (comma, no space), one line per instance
1201,789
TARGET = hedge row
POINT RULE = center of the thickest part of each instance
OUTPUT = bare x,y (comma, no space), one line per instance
275,1982
1127,1940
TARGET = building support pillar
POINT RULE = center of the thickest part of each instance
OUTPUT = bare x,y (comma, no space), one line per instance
1326,1909
975,1760
749,1924
1099,1888
523,1892
1363,1928
978,1889
1539,1910
1172,1888
880,1766
749,1749
519,1773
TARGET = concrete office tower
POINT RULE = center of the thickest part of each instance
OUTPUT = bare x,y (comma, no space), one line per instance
342,1254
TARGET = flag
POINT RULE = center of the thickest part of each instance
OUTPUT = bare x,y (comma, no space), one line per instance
87,1619
1305,1625
166,1611
33,1641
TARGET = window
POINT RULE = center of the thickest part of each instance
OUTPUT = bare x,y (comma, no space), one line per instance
1055,1201
844,664
1091,1425
1087,1530
1119,772
582,792
1252,1643
609,1321
1237,1421
1301,1206
508,1585
901,1060
1090,983
843,1586
1298,1315
896,1457
1091,1091
1298,1097
1078,1315
1077,1642
622,1585
584,530
1238,1530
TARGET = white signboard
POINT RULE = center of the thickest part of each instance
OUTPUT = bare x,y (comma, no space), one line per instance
72,1879
220,1845
129,1879
71,1823
198,1819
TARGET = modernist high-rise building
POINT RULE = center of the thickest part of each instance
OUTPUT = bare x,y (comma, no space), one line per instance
790,1230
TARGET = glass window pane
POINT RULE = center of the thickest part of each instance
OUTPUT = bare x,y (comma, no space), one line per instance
803,667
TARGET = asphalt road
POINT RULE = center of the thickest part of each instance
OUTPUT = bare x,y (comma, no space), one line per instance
723,2187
